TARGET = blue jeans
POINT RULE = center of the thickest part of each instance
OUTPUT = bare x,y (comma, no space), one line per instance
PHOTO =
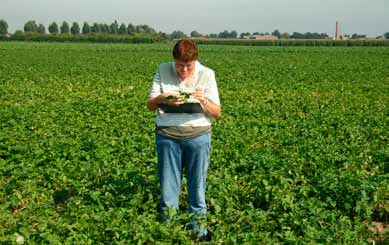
172,154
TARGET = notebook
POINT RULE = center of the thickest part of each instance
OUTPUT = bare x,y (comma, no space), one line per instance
183,108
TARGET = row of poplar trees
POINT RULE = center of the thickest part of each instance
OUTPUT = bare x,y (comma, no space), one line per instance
113,28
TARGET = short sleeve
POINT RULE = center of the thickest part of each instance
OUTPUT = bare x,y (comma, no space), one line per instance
156,86
211,90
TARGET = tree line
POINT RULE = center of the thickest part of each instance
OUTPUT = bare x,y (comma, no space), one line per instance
275,33
86,28
128,29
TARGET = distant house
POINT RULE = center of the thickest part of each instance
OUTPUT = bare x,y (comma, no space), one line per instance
261,37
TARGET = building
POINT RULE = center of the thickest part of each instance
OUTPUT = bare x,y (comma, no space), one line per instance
261,37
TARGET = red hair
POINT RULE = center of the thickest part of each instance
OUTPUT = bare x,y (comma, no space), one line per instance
185,50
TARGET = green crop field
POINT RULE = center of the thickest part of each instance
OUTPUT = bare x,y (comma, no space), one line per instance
301,152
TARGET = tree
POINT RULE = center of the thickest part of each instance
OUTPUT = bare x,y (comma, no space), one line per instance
53,28
114,27
18,32
65,28
41,29
75,29
95,28
3,27
148,29
233,34
122,29
223,34
285,35
227,34
386,35
244,34
297,35
139,29
324,35
104,28
309,35
276,33
85,28
195,34
164,35
356,36
212,35
144,29
177,35
30,26
130,28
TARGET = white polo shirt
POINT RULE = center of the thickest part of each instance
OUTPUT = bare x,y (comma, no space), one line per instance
166,79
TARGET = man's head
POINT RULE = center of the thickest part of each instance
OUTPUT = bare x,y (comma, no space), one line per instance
185,54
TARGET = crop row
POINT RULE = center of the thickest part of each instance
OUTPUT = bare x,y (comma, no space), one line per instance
299,154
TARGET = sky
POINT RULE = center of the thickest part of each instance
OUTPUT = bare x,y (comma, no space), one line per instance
370,18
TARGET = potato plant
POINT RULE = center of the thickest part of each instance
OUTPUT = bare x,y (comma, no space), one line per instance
300,154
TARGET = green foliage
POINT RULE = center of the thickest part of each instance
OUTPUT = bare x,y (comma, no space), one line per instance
31,26
177,35
243,34
144,29
53,28
114,27
3,27
85,28
104,28
294,42
75,29
195,34
227,34
299,155
356,36
95,38
122,29
65,28
130,29
276,33
41,29
307,35
96,28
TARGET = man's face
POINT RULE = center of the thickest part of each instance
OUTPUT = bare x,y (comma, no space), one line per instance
185,69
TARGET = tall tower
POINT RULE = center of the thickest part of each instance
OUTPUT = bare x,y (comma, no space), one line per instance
337,31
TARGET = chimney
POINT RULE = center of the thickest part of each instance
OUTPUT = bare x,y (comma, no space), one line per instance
337,31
